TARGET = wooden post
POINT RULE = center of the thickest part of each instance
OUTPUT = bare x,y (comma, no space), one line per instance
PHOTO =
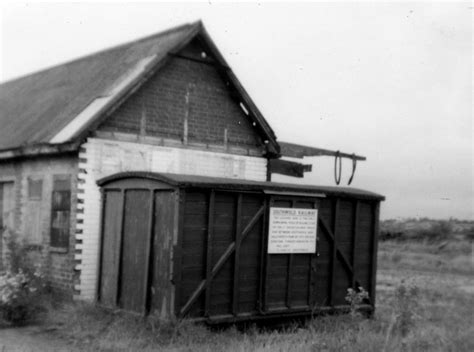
375,235
120,246
210,230
312,267
177,251
148,251
186,116
354,243
269,170
143,121
226,146
334,253
265,257
289,272
101,240
238,234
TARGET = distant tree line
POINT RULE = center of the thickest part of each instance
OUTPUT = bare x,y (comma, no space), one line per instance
425,229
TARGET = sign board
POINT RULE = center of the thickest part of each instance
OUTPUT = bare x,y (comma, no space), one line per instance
292,230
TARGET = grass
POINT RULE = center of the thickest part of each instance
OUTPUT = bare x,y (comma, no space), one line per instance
443,307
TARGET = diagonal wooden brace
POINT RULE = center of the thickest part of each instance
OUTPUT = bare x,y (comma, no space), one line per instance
220,263
345,262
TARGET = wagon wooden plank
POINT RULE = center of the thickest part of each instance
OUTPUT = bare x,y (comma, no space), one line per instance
238,222
135,229
344,260
111,233
120,248
220,263
375,235
148,245
210,229
334,253
354,243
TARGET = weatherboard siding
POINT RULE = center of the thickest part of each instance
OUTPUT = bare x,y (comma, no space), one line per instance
100,157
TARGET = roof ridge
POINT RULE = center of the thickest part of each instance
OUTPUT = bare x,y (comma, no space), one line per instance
190,25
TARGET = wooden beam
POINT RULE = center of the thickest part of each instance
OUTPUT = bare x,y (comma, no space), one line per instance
238,224
334,254
210,230
288,280
312,267
149,241
101,238
299,151
178,249
375,237
263,261
289,168
120,247
289,273
39,149
354,241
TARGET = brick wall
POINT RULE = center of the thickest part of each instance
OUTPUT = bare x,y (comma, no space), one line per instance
57,263
99,158
185,89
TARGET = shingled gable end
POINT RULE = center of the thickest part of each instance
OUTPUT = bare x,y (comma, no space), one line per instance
168,103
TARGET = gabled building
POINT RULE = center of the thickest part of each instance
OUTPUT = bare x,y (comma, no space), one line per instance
168,103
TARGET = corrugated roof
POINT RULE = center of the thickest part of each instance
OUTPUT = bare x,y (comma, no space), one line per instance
180,180
33,108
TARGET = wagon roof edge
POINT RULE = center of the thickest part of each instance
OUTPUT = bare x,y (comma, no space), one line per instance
187,181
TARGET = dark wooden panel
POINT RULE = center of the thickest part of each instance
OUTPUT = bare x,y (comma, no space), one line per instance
249,273
221,290
194,244
289,168
282,203
366,221
304,204
112,218
163,231
135,232
341,284
1,206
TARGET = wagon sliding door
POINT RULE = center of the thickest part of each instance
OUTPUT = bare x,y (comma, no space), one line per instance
290,277
136,228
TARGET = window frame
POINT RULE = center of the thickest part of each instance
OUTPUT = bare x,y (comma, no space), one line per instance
60,224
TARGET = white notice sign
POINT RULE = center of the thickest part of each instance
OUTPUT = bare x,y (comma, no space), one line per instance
292,230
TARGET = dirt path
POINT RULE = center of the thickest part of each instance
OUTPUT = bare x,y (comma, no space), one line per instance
31,339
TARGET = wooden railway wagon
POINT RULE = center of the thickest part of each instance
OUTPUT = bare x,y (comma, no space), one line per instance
199,247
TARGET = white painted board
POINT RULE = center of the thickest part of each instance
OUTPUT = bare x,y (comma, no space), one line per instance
292,230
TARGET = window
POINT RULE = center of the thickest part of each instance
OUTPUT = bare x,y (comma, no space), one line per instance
35,189
33,211
6,206
60,212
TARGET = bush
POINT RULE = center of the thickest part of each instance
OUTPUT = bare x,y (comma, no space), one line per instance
406,305
356,298
22,285
438,231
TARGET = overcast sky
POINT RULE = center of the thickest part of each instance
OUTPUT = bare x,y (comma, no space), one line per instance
390,81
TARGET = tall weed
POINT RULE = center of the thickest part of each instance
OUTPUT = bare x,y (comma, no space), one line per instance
22,285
